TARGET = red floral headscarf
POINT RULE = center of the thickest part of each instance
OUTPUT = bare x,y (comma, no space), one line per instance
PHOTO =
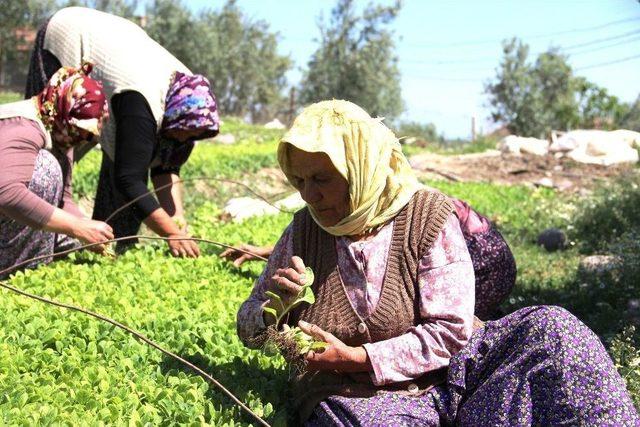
72,101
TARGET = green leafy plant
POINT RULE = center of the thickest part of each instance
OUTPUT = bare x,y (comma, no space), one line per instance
293,342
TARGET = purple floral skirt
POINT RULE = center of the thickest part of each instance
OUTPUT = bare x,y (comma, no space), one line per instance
536,366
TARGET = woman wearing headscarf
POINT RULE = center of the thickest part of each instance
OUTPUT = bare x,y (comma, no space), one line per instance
394,300
158,108
37,136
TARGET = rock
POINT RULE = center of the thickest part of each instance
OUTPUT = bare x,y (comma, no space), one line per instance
564,185
274,124
290,203
518,144
225,138
598,265
544,182
552,239
240,208
633,311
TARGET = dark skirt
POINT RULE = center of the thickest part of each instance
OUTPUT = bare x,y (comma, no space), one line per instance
495,271
124,223
536,366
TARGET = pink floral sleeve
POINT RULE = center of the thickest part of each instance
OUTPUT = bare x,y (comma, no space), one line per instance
447,297
249,321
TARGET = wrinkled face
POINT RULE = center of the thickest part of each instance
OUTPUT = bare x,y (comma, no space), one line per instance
320,185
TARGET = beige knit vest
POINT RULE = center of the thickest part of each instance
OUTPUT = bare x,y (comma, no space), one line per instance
125,58
415,229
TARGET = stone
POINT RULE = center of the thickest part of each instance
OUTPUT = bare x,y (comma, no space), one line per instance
596,266
552,239
274,124
544,182
225,138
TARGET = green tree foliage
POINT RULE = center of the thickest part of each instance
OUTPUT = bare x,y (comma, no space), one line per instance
531,99
631,118
237,54
20,18
17,17
423,131
124,8
356,60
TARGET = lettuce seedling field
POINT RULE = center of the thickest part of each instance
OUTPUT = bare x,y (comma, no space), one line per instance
59,367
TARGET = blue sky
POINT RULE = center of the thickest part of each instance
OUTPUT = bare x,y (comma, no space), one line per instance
448,49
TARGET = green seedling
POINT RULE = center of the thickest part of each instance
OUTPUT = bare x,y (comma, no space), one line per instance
286,336
305,295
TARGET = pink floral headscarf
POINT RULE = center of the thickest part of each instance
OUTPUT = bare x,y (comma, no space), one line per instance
72,101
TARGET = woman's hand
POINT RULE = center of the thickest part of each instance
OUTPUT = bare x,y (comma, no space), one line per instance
240,257
90,231
337,356
287,283
183,248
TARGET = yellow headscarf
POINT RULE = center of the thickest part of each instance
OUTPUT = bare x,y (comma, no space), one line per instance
365,152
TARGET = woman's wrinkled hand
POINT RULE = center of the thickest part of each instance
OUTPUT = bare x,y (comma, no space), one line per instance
239,257
287,284
90,231
183,248
337,356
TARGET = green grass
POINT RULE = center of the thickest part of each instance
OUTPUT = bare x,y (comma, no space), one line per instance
451,147
60,367
6,97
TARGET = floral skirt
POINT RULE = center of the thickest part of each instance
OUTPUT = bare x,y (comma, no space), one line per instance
536,366
19,242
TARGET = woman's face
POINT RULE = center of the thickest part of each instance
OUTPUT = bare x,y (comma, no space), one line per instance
320,185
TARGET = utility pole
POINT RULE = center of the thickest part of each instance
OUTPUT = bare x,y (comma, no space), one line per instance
292,103
473,128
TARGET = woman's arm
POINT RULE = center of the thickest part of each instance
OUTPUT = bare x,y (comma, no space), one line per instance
135,143
250,319
20,145
170,197
83,229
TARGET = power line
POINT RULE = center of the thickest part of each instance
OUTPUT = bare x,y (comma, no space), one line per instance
603,64
537,36
606,46
602,40
589,43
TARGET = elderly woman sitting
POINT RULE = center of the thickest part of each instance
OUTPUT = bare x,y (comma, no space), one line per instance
37,137
394,286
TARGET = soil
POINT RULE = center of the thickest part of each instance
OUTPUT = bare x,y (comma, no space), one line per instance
493,166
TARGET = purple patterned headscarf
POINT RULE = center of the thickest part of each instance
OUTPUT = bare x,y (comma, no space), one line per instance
190,105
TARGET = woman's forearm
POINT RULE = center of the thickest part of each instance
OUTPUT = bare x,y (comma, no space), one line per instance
61,222
161,223
170,198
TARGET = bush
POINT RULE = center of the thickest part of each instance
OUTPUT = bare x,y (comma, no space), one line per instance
611,212
625,351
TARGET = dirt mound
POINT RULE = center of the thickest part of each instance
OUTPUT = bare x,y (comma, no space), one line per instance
496,167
